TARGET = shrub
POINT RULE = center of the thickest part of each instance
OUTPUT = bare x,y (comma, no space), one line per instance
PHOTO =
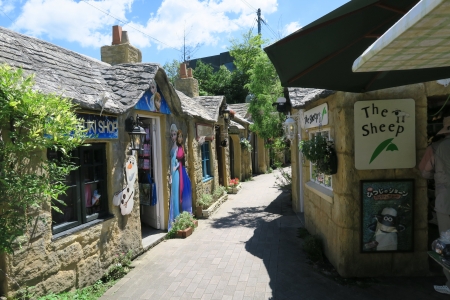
205,201
120,267
218,192
245,145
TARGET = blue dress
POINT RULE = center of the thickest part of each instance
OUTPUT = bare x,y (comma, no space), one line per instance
174,209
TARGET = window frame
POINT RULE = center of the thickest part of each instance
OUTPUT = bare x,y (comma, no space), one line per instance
79,174
206,161
311,165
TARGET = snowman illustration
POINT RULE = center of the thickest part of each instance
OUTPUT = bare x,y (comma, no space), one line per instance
125,198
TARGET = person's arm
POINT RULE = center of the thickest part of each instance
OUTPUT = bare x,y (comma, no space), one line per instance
426,165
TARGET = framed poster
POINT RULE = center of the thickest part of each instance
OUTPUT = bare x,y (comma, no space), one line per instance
387,216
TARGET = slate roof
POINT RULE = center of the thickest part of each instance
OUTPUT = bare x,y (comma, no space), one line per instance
300,96
211,104
241,109
237,125
87,81
192,107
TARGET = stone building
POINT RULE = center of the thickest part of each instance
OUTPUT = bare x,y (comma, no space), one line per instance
74,249
335,207
259,156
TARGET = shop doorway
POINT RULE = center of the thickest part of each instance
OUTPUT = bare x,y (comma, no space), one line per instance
254,143
150,184
219,152
437,110
231,149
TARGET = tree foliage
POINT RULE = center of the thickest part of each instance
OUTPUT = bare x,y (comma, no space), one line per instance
171,69
262,82
30,123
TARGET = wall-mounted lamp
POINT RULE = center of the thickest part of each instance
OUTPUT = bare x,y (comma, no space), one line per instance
136,132
225,113
289,127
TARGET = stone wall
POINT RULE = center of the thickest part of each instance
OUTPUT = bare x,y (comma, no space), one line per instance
119,54
336,219
82,256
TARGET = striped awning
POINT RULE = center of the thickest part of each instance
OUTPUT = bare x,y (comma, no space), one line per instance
419,40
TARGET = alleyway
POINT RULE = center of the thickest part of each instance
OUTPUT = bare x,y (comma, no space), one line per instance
249,250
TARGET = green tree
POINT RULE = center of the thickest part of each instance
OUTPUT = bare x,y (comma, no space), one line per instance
261,80
31,123
171,69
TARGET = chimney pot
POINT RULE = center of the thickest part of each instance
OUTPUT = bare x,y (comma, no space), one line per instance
125,37
183,73
117,35
189,73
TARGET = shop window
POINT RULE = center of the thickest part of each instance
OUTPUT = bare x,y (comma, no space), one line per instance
320,178
206,164
85,199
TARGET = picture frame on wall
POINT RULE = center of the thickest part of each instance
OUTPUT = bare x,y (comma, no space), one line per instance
387,215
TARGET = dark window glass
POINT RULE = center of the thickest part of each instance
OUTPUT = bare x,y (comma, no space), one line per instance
85,199
206,161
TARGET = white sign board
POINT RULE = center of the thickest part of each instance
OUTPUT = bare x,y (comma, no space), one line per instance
318,116
385,134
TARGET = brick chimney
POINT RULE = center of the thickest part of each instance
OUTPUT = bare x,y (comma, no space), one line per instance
186,83
120,51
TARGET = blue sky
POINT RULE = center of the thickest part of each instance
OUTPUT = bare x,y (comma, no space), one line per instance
157,27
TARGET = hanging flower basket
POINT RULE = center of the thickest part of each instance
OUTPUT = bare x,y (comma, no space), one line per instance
320,151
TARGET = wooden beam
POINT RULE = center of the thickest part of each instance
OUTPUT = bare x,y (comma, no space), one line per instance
387,7
372,36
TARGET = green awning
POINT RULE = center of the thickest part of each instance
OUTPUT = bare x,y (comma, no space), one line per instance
321,54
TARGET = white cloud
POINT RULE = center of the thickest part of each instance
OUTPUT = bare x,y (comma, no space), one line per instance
7,6
80,22
291,27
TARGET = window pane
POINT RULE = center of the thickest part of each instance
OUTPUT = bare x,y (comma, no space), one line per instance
69,210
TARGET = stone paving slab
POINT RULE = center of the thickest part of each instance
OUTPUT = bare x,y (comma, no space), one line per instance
249,249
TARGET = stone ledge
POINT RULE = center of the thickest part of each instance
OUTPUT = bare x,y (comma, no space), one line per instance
206,213
321,191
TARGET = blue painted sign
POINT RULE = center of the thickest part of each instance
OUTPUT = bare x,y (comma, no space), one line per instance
100,127
153,100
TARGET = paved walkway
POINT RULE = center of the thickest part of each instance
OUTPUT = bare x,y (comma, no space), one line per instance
249,250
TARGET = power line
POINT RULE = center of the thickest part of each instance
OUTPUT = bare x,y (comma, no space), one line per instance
271,30
124,23
249,5
7,16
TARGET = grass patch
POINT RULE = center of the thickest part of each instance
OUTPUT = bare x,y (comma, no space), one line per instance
88,293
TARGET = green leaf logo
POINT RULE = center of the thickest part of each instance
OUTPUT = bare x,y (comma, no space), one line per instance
324,111
387,144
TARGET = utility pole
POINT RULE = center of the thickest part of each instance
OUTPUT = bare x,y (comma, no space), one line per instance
259,21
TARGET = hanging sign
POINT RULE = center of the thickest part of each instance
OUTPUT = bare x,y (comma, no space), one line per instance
100,127
318,116
204,130
385,134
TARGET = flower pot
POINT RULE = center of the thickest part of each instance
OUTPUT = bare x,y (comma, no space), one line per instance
234,189
184,233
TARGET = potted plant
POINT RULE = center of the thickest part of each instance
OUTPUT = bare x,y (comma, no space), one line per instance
203,202
320,151
183,226
245,145
234,186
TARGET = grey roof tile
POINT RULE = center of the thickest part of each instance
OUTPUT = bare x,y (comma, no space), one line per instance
211,104
300,96
83,79
192,107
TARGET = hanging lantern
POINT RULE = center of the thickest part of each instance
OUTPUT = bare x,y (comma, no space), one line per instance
289,128
136,132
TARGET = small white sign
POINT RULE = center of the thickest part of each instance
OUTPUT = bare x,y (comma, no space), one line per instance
318,116
385,134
